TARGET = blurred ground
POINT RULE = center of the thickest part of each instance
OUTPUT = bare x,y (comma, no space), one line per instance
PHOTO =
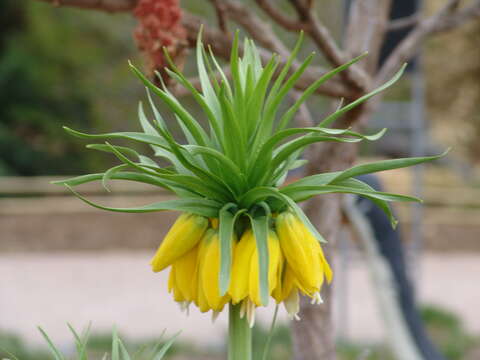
119,288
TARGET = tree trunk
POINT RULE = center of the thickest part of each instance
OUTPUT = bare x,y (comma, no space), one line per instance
314,334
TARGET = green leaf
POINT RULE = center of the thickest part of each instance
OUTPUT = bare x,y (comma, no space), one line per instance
300,143
124,175
107,149
283,73
203,207
226,233
177,75
123,351
140,137
287,117
115,345
208,177
12,356
300,193
166,347
314,180
256,195
383,165
192,125
56,353
272,107
260,231
145,124
331,118
383,205
232,172
260,193
257,98
268,147
81,341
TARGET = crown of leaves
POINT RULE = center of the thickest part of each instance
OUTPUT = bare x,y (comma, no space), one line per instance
237,166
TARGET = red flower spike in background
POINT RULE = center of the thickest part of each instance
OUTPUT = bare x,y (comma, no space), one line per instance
160,26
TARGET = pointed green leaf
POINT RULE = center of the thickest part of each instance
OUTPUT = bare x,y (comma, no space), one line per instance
166,347
226,232
383,165
56,353
331,118
286,118
204,207
260,231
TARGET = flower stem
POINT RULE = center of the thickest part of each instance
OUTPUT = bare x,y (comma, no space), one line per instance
239,335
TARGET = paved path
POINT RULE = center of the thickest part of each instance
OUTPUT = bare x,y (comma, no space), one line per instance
118,288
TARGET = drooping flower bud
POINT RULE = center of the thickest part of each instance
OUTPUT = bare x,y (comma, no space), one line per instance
181,238
303,253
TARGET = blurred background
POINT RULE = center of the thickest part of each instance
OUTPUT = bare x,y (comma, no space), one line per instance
62,261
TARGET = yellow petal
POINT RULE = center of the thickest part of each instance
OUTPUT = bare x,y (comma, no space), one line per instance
241,267
185,233
186,274
172,287
274,257
202,299
289,282
300,251
325,268
209,272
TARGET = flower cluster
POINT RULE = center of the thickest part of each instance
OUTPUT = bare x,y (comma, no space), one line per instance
242,236
192,249
160,26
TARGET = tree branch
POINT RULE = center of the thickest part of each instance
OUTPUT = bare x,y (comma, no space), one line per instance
366,28
445,19
354,75
460,17
221,15
111,6
279,17
221,46
404,22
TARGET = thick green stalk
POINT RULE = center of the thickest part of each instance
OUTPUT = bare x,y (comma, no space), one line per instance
239,335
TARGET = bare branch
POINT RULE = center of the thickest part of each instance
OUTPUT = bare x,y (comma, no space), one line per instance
460,17
221,46
258,29
111,6
279,17
221,15
443,20
354,75
366,28
402,23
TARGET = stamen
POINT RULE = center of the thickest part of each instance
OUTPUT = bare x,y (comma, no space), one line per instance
292,305
316,299
215,315
250,313
184,306
243,309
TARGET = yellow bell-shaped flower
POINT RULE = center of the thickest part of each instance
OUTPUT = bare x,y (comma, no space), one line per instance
245,271
183,277
209,273
185,233
303,253
275,260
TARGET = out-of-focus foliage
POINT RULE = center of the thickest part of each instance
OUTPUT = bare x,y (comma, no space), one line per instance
444,327
57,67
453,87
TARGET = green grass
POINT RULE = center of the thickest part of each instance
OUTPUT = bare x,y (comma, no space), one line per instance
445,328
